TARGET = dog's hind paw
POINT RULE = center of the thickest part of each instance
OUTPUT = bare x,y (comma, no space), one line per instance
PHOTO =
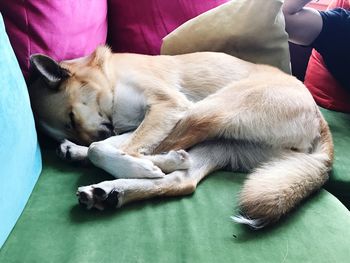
72,152
98,196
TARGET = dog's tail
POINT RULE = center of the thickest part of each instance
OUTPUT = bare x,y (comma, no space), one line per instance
279,185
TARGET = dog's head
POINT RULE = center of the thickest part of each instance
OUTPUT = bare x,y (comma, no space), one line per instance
73,99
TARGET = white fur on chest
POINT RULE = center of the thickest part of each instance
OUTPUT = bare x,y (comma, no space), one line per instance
129,107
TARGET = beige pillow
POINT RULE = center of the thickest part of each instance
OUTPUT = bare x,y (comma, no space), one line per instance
253,30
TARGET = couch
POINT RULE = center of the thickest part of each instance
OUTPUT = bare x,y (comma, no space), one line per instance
49,226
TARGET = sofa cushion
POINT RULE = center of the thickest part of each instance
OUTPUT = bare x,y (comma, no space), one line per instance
139,25
325,89
251,30
19,151
195,228
339,182
60,29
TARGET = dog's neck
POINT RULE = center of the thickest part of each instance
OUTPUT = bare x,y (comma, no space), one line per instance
129,107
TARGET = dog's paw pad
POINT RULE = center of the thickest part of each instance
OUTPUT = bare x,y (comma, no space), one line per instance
100,194
85,197
106,197
113,198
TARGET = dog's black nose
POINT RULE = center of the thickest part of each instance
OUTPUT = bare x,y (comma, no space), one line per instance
105,131
104,134
108,125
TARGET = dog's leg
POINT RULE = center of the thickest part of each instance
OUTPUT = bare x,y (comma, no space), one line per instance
72,152
166,107
286,117
121,165
121,191
106,155
205,158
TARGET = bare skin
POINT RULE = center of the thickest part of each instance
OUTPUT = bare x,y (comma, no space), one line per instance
303,24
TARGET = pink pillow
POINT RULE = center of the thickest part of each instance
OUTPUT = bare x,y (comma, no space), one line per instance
325,89
61,29
140,25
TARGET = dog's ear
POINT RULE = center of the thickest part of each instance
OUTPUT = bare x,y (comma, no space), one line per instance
100,55
49,69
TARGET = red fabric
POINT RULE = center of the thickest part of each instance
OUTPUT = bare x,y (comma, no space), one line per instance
140,25
326,91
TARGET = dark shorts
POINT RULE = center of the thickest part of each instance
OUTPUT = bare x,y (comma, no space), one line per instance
333,43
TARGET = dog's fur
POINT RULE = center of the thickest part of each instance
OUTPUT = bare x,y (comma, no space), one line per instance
226,112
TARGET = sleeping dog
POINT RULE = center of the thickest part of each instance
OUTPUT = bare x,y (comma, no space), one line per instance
160,124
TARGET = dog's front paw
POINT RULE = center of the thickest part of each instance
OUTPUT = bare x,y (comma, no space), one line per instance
72,152
120,164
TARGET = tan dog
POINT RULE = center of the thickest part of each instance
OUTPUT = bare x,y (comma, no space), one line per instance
226,112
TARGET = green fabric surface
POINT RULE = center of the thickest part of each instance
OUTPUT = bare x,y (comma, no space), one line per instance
339,183
195,228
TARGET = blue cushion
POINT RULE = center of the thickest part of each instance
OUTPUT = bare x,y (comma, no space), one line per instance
20,159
